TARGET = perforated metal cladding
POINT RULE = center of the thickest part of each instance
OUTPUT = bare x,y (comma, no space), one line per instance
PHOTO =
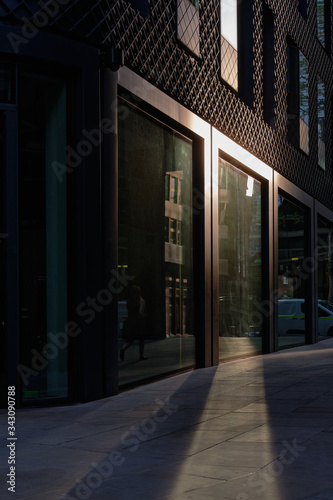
152,50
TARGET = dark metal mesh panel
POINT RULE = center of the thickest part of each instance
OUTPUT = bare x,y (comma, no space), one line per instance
152,49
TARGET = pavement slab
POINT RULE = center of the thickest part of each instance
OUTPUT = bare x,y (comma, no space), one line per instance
254,428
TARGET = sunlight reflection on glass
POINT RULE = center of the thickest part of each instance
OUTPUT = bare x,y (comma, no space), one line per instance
229,21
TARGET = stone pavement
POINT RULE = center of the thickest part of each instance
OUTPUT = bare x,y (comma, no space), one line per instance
257,428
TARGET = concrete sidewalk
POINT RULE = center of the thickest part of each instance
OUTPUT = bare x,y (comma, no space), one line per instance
257,428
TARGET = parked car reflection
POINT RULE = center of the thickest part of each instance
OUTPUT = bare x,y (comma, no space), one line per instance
292,317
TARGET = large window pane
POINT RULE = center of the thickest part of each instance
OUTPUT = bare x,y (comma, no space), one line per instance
229,43
325,278
291,276
188,31
321,20
155,246
229,21
3,258
303,8
303,103
303,88
43,237
240,268
321,123
297,98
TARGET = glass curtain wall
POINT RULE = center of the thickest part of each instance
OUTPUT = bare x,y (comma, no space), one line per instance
292,274
42,237
325,278
156,332
240,262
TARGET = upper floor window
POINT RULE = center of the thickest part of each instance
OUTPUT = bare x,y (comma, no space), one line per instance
268,66
321,21
303,8
142,6
304,103
188,25
303,89
229,42
298,98
321,122
229,21
237,52
324,24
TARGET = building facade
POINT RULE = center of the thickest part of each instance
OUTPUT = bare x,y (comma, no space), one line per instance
178,149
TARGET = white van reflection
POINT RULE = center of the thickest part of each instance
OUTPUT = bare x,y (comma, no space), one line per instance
292,317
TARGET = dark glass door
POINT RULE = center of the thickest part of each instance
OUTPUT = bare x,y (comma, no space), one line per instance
33,236
42,237
8,249
293,276
3,279
240,262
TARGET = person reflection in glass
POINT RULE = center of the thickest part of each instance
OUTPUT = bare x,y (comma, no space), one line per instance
134,324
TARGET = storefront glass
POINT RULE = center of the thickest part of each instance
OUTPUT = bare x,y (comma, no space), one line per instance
7,83
42,237
3,238
240,262
155,247
293,277
325,278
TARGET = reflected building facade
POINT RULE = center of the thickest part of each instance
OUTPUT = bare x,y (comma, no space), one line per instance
182,147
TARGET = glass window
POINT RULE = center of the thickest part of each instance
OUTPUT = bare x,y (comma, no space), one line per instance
303,89
155,247
321,21
321,123
142,6
7,83
292,279
268,66
229,43
303,8
287,308
188,32
240,268
42,236
229,21
323,313
292,80
303,103
3,258
298,98
325,276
